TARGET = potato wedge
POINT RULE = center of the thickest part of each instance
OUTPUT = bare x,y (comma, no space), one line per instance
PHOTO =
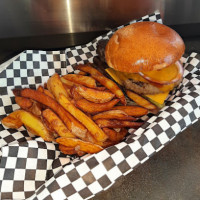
12,120
82,80
101,88
40,89
140,100
57,124
112,86
29,105
35,109
94,95
114,135
23,102
67,83
35,125
98,134
67,150
70,150
75,95
82,73
94,108
55,86
72,124
32,123
82,145
117,124
48,93
113,114
135,111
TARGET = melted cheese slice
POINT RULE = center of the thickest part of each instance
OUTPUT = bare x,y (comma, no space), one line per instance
119,77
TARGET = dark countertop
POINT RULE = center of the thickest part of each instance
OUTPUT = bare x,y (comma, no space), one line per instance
174,172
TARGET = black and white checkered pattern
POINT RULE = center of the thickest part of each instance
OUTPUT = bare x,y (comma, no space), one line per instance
33,169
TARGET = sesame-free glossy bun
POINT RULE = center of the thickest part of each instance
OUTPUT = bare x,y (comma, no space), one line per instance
143,46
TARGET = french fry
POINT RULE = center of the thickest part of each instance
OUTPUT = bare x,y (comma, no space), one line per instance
114,135
108,143
70,150
29,105
140,100
67,82
82,80
40,89
102,123
35,109
112,86
100,88
93,108
12,120
75,95
49,127
98,134
32,123
56,123
82,145
135,111
23,102
35,125
53,112
72,124
48,93
67,150
82,73
55,86
94,95
113,114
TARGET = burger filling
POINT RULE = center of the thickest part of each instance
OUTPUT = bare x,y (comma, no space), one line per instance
153,85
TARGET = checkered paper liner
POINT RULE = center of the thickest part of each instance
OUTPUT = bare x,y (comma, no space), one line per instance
33,169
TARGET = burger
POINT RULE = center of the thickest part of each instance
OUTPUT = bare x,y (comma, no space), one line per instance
144,58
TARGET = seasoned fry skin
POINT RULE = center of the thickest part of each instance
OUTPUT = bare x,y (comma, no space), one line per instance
93,108
47,92
109,84
94,95
82,80
67,82
82,145
117,124
135,111
75,95
12,120
33,124
67,150
113,114
70,150
114,135
72,124
29,105
140,100
56,123
23,102
83,118
55,86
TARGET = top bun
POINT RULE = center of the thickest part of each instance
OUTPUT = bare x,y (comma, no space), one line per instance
143,46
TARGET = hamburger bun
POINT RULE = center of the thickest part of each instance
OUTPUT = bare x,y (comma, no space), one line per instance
143,46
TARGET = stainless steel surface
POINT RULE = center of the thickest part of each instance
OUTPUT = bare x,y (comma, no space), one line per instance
36,17
21,18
